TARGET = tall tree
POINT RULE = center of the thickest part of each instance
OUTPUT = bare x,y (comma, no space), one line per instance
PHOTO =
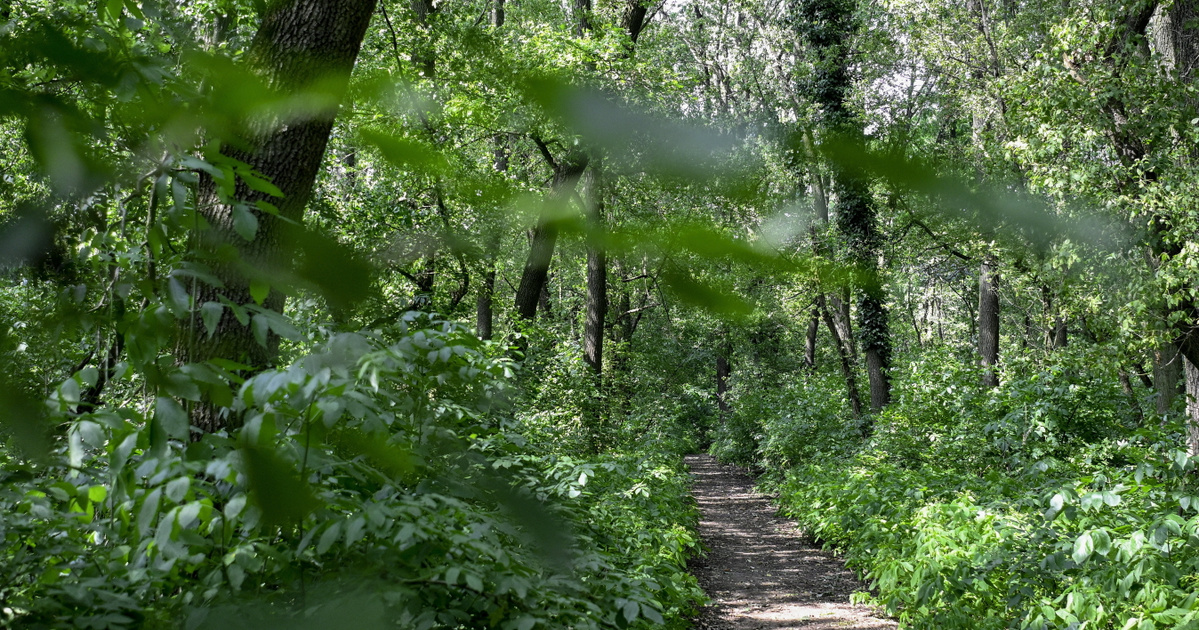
828,27
300,45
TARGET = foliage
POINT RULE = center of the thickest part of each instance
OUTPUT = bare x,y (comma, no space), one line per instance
368,465
1031,505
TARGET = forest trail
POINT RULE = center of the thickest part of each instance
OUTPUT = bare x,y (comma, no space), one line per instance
759,572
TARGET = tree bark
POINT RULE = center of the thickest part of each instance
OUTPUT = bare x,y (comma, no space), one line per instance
723,370
809,354
299,44
851,381
1061,334
545,234
597,270
1167,372
1192,388
483,306
988,320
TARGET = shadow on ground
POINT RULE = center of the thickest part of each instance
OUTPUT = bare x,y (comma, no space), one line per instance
760,571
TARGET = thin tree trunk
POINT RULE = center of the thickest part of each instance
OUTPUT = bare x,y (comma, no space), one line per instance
1061,334
483,307
851,382
1131,395
809,354
988,320
723,370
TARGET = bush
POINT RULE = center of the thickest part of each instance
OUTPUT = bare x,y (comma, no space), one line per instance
376,482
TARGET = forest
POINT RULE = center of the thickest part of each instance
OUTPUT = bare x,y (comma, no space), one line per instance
403,313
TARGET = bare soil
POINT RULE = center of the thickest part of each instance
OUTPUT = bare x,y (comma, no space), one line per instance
761,572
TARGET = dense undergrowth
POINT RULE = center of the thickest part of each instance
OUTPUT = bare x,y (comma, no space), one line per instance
1044,503
379,481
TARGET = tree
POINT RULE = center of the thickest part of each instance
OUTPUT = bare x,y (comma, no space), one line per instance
827,26
302,48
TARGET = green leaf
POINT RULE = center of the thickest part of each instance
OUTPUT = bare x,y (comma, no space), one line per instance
148,512
244,222
630,610
276,488
259,184
171,417
328,537
259,290
114,8
700,294
180,300
210,313
474,583
177,488
188,514
653,615
1084,546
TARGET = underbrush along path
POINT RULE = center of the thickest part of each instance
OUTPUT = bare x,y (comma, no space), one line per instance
760,572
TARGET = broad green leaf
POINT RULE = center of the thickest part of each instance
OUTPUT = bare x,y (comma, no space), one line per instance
171,417
1084,546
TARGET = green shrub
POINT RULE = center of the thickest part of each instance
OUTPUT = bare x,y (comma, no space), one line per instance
378,481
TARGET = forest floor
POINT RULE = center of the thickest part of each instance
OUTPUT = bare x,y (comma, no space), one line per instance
761,572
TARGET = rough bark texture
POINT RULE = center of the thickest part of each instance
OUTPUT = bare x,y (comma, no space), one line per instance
633,20
827,26
597,271
1192,379
483,306
988,321
298,44
1167,373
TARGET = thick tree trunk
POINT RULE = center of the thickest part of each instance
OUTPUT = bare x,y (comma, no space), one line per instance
988,320
597,270
809,353
300,44
1192,388
1167,372
483,306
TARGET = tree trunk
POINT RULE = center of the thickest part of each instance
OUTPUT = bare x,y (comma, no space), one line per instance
483,307
597,270
1192,387
545,234
851,381
1167,372
298,45
1061,334
988,320
723,370
809,354
1131,395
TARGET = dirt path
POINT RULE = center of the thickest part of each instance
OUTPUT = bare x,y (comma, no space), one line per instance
759,571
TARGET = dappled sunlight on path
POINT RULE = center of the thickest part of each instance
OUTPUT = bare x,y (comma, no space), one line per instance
759,571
